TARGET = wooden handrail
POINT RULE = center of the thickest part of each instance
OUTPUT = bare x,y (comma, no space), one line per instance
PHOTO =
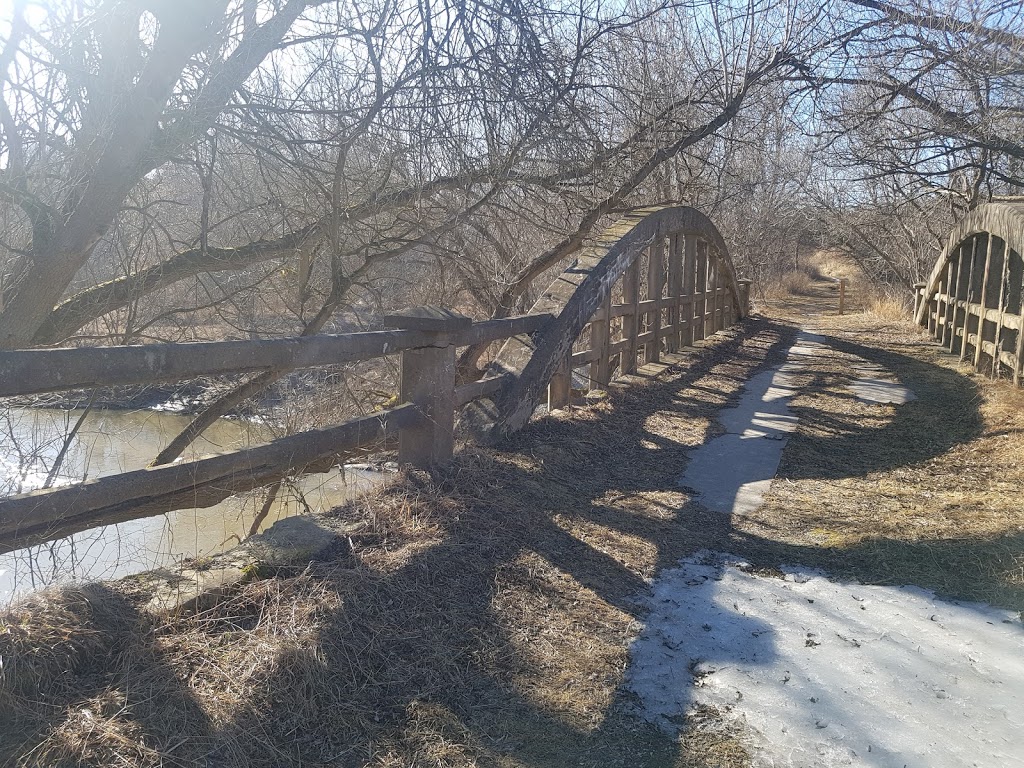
50,514
42,516
35,371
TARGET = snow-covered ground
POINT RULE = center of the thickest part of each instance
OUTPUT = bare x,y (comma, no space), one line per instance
821,673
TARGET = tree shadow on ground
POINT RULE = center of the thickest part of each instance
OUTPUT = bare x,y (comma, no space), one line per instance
486,620
566,522
83,681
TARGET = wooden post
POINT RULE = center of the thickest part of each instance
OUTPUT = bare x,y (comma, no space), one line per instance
968,295
689,280
719,294
631,320
675,289
952,278
918,296
655,284
711,303
700,291
983,302
842,295
600,369
428,381
963,281
560,386
1018,368
744,284
932,319
1017,281
1004,278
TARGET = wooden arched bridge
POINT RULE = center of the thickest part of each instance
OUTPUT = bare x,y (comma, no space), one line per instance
971,303
653,283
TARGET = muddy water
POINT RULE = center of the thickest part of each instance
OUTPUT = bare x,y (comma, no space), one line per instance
114,441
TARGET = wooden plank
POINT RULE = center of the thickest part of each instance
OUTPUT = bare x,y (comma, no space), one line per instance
582,358
474,390
34,371
675,289
655,285
983,299
487,331
631,321
51,514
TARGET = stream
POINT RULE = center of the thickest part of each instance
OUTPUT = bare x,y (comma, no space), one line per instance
111,441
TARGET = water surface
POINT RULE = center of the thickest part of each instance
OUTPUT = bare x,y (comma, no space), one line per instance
109,442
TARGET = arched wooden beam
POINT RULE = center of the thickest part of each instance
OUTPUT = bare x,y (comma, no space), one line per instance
1004,220
579,291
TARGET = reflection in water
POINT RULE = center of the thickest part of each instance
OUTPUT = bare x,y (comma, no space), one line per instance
109,442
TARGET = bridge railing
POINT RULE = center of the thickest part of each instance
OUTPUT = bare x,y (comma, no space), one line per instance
657,282
972,302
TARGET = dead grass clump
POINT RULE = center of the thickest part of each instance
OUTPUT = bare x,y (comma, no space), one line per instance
885,303
52,634
797,283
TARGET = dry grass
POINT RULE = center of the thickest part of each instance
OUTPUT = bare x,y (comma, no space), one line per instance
483,619
485,614
796,283
925,494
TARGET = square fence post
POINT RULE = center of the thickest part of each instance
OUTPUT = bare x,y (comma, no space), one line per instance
743,284
560,386
428,381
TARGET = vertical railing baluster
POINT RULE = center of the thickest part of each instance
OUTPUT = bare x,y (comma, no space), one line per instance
716,272
700,291
968,296
560,386
952,277
963,279
997,340
689,281
675,289
600,370
1017,281
631,320
655,284
983,302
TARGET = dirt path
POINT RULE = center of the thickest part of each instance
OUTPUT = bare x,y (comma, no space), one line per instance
485,615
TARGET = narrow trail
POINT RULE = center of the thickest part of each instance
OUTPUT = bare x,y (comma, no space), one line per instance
815,671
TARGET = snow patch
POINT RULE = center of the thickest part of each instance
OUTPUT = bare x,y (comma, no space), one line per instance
823,673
